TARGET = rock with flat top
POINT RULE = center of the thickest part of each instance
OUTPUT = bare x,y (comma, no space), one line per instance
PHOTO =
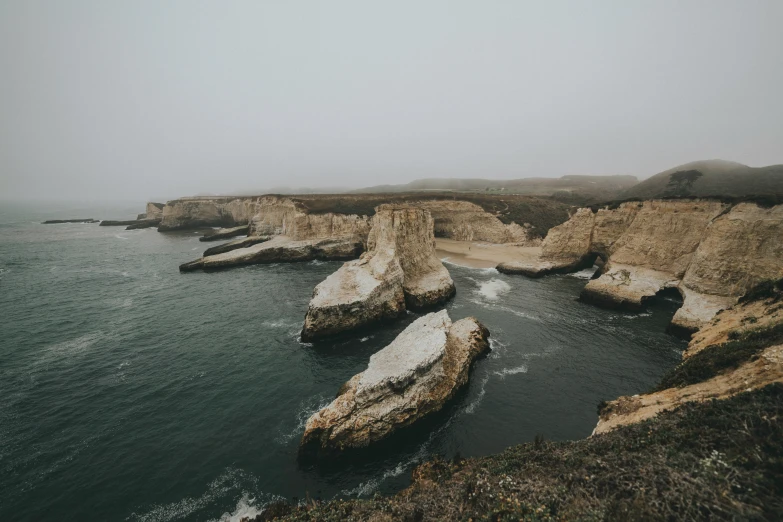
398,271
411,378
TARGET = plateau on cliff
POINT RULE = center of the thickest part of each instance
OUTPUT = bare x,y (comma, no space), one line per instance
399,270
412,377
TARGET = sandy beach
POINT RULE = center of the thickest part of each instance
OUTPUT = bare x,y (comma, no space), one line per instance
476,254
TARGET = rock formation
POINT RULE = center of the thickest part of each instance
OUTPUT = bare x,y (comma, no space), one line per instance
236,244
143,223
412,377
298,237
154,211
398,271
710,251
225,233
279,249
60,221
466,221
566,248
740,350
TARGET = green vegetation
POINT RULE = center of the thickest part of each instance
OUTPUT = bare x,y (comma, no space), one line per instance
715,178
743,346
717,460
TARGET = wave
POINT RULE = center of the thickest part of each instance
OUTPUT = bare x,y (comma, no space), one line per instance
586,273
493,289
120,237
234,482
307,409
511,371
472,405
518,313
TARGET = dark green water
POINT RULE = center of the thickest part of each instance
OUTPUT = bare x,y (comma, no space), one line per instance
129,391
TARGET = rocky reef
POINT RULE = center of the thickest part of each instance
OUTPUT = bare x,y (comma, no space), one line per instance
710,251
398,271
225,233
60,221
279,249
410,378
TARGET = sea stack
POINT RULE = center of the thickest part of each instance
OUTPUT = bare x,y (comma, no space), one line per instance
412,377
399,271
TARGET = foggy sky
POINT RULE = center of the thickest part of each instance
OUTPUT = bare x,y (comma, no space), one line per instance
141,99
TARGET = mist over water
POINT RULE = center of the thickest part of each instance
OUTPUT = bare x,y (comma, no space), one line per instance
129,391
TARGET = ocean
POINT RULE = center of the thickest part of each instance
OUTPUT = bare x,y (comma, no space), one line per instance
129,391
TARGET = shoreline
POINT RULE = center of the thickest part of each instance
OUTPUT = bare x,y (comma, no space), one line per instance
480,254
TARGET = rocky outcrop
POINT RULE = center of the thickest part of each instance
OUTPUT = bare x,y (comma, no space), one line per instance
60,221
280,249
565,249
740,350
225,233
398,271
710,251
412,377
143,223
154,211
466,221
235,245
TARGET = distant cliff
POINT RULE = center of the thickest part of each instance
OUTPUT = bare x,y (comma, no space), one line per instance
491,219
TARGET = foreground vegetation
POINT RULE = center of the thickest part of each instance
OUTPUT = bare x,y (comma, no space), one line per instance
720,460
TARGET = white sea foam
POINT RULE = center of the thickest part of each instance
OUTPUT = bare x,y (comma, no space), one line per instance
518,313
230,481
370,486
472,405
120,237
69,348
586,273
511,371
497,348
306,410
493,289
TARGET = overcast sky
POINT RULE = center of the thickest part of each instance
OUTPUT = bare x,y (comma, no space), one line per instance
141,99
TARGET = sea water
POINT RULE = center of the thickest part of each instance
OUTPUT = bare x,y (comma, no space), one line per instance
129,391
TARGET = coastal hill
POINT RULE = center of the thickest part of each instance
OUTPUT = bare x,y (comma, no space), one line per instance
585,186
710,178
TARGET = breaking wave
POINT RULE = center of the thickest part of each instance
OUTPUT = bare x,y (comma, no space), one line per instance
493,289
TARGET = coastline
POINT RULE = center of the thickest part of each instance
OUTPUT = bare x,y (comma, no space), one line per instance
480,254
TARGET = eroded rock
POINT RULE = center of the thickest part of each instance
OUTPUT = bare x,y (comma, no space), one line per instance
398,271
412,377
280,249
225,233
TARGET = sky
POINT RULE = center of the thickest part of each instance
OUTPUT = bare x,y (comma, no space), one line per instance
146,99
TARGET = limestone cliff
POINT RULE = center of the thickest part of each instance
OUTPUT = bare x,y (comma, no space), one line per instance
466,221
398,270
566,248
711,252
290,216
412,377
740,350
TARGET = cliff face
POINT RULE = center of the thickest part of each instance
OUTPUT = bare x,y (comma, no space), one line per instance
207,212
740,350
289,216
398,270
412,377
711,252
466,221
